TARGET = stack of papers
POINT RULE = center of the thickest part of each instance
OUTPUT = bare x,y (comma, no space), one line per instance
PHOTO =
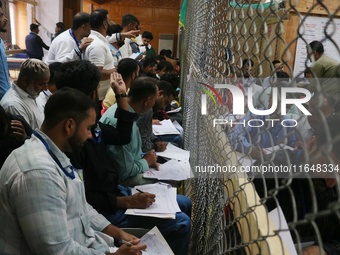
177,168
166,128
173,152
175,110
171,170
165,205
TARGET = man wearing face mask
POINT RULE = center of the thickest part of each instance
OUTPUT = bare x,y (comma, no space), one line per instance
22,98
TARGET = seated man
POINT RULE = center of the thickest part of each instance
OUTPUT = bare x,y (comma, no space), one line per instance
43,209
163,68
22,98
255,132
100,172
149,68
14,130
142,95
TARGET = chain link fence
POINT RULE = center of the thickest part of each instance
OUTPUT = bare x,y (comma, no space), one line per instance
240,177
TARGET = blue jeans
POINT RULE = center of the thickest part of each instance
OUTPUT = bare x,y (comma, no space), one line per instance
175,231
175,139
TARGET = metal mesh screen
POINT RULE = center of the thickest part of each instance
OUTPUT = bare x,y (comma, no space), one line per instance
235,43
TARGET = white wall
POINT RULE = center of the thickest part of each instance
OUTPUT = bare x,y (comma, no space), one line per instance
48,13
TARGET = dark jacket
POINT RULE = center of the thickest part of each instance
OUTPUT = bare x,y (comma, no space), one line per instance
34,45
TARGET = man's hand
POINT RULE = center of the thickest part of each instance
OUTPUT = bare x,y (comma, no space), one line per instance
130,34
135,249
86,42
160,146
313,250
156,122
256,153
141,200
151,158
18,130
117,83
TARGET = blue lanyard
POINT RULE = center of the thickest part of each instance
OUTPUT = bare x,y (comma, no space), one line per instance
75,39
54,157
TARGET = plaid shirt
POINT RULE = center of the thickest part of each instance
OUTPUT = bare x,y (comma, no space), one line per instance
42,211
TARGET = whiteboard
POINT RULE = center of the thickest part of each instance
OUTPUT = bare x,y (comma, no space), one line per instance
315,28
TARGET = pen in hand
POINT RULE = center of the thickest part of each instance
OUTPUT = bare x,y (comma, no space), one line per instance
126,242
139,191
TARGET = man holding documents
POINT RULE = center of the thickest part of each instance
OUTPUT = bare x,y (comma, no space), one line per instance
127,161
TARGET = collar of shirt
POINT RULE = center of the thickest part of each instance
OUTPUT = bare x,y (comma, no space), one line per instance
22,93
64,160
99,35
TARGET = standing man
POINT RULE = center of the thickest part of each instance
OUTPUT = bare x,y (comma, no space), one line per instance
129,22
69,46
43,209
325,69
98,52
34,43
4,74
150,51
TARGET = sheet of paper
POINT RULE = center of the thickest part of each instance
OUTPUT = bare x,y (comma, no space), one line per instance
280,223
135,55
175,110
171,170
178,127
166,203
156,244
276,148
173,152
142,48
167,128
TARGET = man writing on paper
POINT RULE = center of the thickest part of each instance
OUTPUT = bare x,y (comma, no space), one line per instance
101,176
43,209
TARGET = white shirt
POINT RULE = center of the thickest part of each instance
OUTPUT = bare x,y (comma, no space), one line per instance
126,49
18,101
63,49
42,210
98,53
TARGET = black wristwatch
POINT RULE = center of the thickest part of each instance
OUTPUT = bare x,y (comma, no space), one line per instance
121,95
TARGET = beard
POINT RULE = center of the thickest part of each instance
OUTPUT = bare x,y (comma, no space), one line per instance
75,143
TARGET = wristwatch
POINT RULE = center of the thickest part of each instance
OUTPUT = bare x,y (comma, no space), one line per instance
121,95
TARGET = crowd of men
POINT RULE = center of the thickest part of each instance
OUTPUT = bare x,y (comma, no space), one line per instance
312,140
50,129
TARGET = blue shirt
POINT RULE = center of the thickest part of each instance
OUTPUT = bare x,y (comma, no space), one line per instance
268,134
4,74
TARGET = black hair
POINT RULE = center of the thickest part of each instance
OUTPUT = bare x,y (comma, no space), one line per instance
97,18
283,76
308,70
113,29
147,35
173,79
165,52
54,67
80,74
0,4
142,88
33,26
165,65
129,19
67,103
275,61
247,62
160,58
81,18
149,62
317,46
126,67
61,26
167,88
